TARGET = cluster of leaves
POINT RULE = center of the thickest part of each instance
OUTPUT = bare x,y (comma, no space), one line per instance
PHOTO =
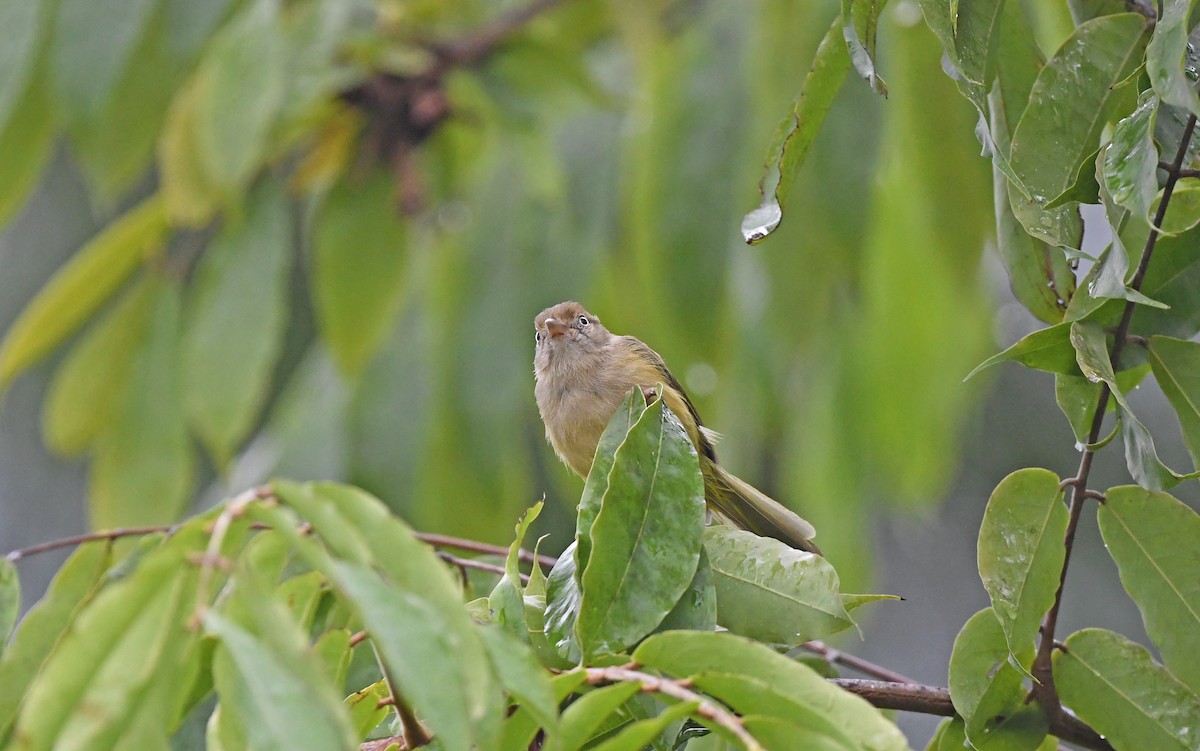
282,602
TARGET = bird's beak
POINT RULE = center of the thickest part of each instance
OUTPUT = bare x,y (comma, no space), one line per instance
555,327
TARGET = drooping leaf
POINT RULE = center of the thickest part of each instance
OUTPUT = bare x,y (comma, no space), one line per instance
234,321
1021,551
142,473
87,391
240,89
1078,398
1131,159
82,285
646,536
1155,540
985,687
1046,349
359,266
859,18
689,653
796,132
771,592
1176,366
1116,687
1165,56
1075,96
976,38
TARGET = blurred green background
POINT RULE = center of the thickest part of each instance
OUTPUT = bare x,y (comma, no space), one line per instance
606,152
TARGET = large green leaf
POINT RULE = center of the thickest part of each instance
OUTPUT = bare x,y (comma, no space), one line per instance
143,468
697,607
1173,279
82,285
522,677
1021,551
240,89
94,40
689,653
1115,686
1076,94
986,688
234,321
771,592
1045,349
1155,540
75,584
646,537
626,416
796,132
1165,56
359,263
1131,159
1176,365
87,391
752,695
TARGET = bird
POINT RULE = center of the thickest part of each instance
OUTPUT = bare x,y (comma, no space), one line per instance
582,373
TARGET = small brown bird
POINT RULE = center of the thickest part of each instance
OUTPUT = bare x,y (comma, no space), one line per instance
584,371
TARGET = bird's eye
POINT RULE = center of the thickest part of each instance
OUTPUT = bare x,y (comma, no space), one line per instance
538,336
583,320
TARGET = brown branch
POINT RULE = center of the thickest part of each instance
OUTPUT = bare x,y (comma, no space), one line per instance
856,663
466,563
1043,690
445,541
73,540
680,690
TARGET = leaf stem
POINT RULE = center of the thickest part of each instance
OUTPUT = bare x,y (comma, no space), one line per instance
1043,690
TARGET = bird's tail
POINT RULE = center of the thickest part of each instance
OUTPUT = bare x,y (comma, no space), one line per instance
743,505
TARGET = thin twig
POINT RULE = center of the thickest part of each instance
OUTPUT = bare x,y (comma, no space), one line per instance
1043,690
445,541
676,690
856,663
465,563
73,540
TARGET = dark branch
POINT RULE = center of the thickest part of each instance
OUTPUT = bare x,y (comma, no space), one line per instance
865,667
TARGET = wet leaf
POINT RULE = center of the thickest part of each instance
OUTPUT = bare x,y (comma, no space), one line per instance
1166,57
1046,349
986,688
1131,159
859,18
1176,366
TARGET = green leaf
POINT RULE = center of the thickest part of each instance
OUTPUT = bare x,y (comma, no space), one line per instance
1155,541
1176,366
859,18
507,601
1074,97
976,38
697,607
189,191
521,675
796,132
87,391
22,24
1115,686
781,735
626,416
562,607
951,735
771,592
1172,278
641,734
81,286
581,720
751,695
985,687
690,653
1184,213
359,266
1166,53
143,469
94,41
1021,551
646,537
1078,397
239,92
1046,349
1131,159
520,727
234,323
275,691
10,600
365,712
27,140
75,584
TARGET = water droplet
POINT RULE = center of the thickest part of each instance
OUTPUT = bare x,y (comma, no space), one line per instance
761,222
1079,447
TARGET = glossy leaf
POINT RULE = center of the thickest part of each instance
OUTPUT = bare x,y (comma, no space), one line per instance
771,592
87,391
1165,56
626,416
697,607
82,285
10,600
75,584
239,92
94,41
562,607
689,653
1021,551
1075,96
359,268
234,323
1176,366
1046,349
985,687
1116,687
1155,541
646,537
142,473
1131,159
796,132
